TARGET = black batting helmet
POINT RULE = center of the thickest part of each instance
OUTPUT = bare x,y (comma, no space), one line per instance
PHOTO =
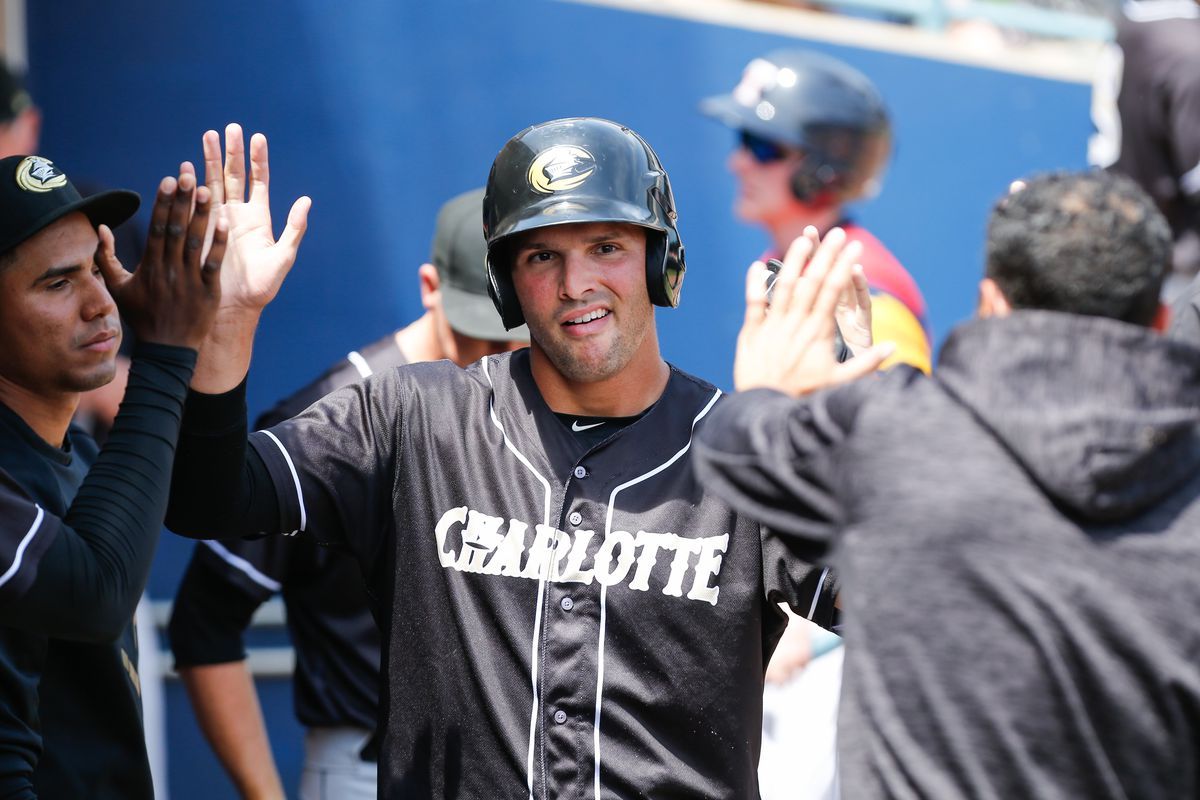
580,169
821,106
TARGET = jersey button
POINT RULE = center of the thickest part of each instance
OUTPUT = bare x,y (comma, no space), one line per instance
567,604
580,472
560,716
575,518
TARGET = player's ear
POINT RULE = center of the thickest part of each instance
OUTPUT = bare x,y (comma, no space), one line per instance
992,302
431,284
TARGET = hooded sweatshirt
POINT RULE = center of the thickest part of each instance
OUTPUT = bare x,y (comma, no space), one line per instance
1018,539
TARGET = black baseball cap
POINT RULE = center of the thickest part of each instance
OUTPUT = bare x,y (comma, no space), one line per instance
460,255
34,193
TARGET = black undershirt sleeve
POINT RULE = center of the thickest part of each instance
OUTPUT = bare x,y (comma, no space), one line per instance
91,577
209,618
220,487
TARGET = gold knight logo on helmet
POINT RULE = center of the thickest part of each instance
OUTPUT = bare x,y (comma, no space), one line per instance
37,174
560,168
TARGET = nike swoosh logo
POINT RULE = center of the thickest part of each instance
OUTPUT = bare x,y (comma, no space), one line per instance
575,426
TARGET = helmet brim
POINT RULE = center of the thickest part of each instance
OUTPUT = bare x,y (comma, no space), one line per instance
732,114
573,209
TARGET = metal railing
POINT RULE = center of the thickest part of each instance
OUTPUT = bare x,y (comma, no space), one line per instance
1023,17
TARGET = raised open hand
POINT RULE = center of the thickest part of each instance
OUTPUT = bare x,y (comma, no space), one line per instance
257,263
173,296
853,312
789,346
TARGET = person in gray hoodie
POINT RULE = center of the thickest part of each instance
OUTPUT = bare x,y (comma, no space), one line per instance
1018,535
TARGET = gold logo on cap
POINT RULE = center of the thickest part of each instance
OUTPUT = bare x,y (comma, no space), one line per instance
37,174
560,168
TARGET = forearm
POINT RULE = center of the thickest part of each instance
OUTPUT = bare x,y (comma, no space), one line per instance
101,558
220,486
228,712
760,452
225,355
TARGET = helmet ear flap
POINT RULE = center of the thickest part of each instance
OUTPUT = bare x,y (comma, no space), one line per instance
805,187
815,181
664,267
664,251
502,291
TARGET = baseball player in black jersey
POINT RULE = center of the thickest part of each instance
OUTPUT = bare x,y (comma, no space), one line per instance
1146,108
75,551
336,682
564,611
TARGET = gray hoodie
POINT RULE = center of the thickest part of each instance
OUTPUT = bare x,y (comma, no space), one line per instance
1018,538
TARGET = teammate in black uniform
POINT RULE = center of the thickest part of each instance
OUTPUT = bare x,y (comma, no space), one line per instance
76,552
565,613
1146,108
336,640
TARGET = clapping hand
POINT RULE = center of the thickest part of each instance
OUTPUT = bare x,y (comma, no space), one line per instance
790,345
257,262
173,296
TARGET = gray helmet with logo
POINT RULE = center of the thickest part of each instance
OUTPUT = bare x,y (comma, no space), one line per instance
580,169
823,107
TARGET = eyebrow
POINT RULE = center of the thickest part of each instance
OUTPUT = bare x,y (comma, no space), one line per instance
57,272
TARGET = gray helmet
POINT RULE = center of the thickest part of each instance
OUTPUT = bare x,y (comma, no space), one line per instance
819,105
580,169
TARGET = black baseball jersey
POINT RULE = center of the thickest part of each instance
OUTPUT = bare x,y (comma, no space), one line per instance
90,703
26,531
1152,74
558,620
336,681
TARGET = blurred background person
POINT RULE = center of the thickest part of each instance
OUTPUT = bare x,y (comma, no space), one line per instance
20,120
1146,109
813,135
337,645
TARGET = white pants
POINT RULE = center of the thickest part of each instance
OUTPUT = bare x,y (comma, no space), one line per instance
799,748
333,768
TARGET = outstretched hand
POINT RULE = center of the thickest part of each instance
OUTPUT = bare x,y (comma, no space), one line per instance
853,313
790,345
173,296
257,262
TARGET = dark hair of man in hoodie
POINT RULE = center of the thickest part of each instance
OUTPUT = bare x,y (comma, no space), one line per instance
1086,243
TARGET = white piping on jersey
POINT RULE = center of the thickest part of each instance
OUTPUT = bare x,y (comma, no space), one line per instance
243,566
608,519
360,363
817,594
295,479
33,529
541,595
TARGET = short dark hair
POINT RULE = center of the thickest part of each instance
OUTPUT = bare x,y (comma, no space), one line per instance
1082,242
8,258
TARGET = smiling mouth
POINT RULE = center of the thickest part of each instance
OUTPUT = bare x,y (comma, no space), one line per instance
599,313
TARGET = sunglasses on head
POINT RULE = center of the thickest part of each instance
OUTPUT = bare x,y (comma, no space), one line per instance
764,150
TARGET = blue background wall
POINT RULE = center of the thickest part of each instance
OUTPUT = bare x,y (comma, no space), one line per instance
382,110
